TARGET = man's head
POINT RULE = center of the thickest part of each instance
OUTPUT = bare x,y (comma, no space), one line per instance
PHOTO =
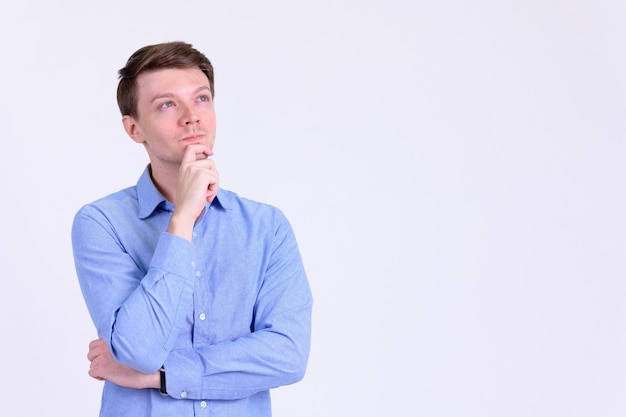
165,95
155,57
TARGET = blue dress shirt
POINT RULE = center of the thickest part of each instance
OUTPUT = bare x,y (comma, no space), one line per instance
228,315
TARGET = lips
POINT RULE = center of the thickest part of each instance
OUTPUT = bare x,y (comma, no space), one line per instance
193,138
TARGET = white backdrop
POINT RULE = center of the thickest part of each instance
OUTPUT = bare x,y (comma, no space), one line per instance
454,172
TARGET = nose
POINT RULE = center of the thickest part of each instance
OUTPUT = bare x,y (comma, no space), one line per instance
189,116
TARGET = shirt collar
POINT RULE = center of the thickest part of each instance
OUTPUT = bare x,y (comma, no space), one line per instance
149,197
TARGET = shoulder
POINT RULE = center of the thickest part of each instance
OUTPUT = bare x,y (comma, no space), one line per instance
120,201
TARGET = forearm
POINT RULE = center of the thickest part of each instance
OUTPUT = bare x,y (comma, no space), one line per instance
105,368
256,362
131,378
274,353
146,326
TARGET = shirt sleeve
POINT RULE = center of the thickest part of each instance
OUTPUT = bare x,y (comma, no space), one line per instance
137,312
276,350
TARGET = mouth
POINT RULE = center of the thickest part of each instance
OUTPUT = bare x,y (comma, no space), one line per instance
195,138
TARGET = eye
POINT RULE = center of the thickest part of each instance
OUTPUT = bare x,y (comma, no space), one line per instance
204,98
167,104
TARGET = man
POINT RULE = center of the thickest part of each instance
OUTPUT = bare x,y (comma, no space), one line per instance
199,296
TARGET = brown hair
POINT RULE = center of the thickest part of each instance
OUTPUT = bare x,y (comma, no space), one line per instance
155,57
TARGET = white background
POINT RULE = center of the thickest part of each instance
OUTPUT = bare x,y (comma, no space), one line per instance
454,172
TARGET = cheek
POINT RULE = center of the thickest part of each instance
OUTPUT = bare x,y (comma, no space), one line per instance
209,126
163,126
210,119
158,135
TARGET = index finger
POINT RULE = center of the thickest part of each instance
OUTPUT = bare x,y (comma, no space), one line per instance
195,152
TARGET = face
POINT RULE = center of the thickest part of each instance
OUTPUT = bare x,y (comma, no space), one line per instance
175,109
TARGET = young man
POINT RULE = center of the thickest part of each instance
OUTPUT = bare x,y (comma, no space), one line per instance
199,296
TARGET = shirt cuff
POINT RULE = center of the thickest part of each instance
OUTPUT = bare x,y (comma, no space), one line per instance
175,255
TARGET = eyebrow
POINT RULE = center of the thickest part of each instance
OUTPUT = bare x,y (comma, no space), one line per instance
170,95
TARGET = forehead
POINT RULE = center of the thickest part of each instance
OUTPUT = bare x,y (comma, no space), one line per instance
174,81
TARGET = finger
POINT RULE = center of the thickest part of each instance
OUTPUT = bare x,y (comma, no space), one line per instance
92,354
210,196
212,187
94,375
95,343
196,152
96,347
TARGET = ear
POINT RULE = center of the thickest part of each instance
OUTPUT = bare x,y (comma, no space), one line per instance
132,129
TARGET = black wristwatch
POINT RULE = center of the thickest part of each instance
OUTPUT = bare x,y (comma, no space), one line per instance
163,390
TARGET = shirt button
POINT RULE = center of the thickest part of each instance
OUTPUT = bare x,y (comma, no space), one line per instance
203,404
197,273
202,316
193,264
183,394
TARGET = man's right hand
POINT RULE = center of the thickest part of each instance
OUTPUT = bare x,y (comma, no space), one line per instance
198,182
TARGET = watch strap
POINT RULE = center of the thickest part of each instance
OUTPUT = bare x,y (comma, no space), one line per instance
162,389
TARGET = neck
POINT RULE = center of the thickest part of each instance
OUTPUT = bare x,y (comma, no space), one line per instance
165,178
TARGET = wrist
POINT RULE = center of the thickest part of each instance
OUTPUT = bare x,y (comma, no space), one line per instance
181,226
153,380
162,384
